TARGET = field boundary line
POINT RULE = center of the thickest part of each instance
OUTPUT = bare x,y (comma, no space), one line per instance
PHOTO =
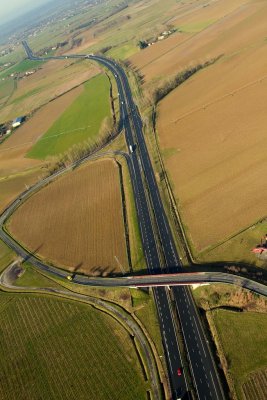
231,94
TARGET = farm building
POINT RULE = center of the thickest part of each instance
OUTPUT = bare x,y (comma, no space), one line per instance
17,122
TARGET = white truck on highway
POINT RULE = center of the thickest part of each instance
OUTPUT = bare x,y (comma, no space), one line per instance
132,148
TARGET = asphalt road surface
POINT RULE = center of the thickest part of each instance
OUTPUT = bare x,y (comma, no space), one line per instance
8,277
203,369
168,330
202,366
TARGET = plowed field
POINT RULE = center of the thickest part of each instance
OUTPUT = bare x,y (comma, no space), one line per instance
77,221
212,132
206,30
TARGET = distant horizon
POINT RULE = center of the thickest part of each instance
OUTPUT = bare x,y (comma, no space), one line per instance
17,8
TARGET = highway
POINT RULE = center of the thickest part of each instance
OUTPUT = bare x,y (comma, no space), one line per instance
170,341
202,367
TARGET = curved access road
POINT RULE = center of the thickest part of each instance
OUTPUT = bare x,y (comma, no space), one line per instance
125,319
149,206
150,246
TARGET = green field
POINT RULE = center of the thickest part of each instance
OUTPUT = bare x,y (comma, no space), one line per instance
32,278
244,341
123,52
81,120
6,88
6,255
22,66
196,27
57,349
146,312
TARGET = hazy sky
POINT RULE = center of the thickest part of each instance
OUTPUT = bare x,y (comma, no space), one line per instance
9,8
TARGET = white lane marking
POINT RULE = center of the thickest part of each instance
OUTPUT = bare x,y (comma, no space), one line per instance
214,385
200,338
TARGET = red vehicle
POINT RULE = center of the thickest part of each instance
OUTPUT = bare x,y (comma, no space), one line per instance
179,371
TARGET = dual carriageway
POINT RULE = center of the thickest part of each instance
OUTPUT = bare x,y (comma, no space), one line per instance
173,298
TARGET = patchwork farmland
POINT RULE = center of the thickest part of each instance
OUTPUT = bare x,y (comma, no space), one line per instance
57,349
79,122
53,79
211,129
13,150
77,222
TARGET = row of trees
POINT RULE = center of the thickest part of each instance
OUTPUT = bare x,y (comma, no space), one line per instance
177,80
78,151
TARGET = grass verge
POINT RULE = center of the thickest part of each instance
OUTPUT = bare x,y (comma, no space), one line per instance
6,255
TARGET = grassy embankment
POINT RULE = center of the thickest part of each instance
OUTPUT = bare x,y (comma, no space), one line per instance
244,343
32,278
48,354
137,302
240,337
80,122
6,255
136,248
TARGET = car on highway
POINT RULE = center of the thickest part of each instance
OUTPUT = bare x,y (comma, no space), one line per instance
179,371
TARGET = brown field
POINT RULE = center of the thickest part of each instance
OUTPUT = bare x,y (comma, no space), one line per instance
76,222
13,150
227,32
212,132
12,186
53,79
256,386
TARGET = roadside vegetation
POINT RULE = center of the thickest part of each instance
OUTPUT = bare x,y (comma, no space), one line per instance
172,83
237,320
30,277
138,302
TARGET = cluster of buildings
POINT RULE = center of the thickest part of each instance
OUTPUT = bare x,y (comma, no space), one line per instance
6,129
163,35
